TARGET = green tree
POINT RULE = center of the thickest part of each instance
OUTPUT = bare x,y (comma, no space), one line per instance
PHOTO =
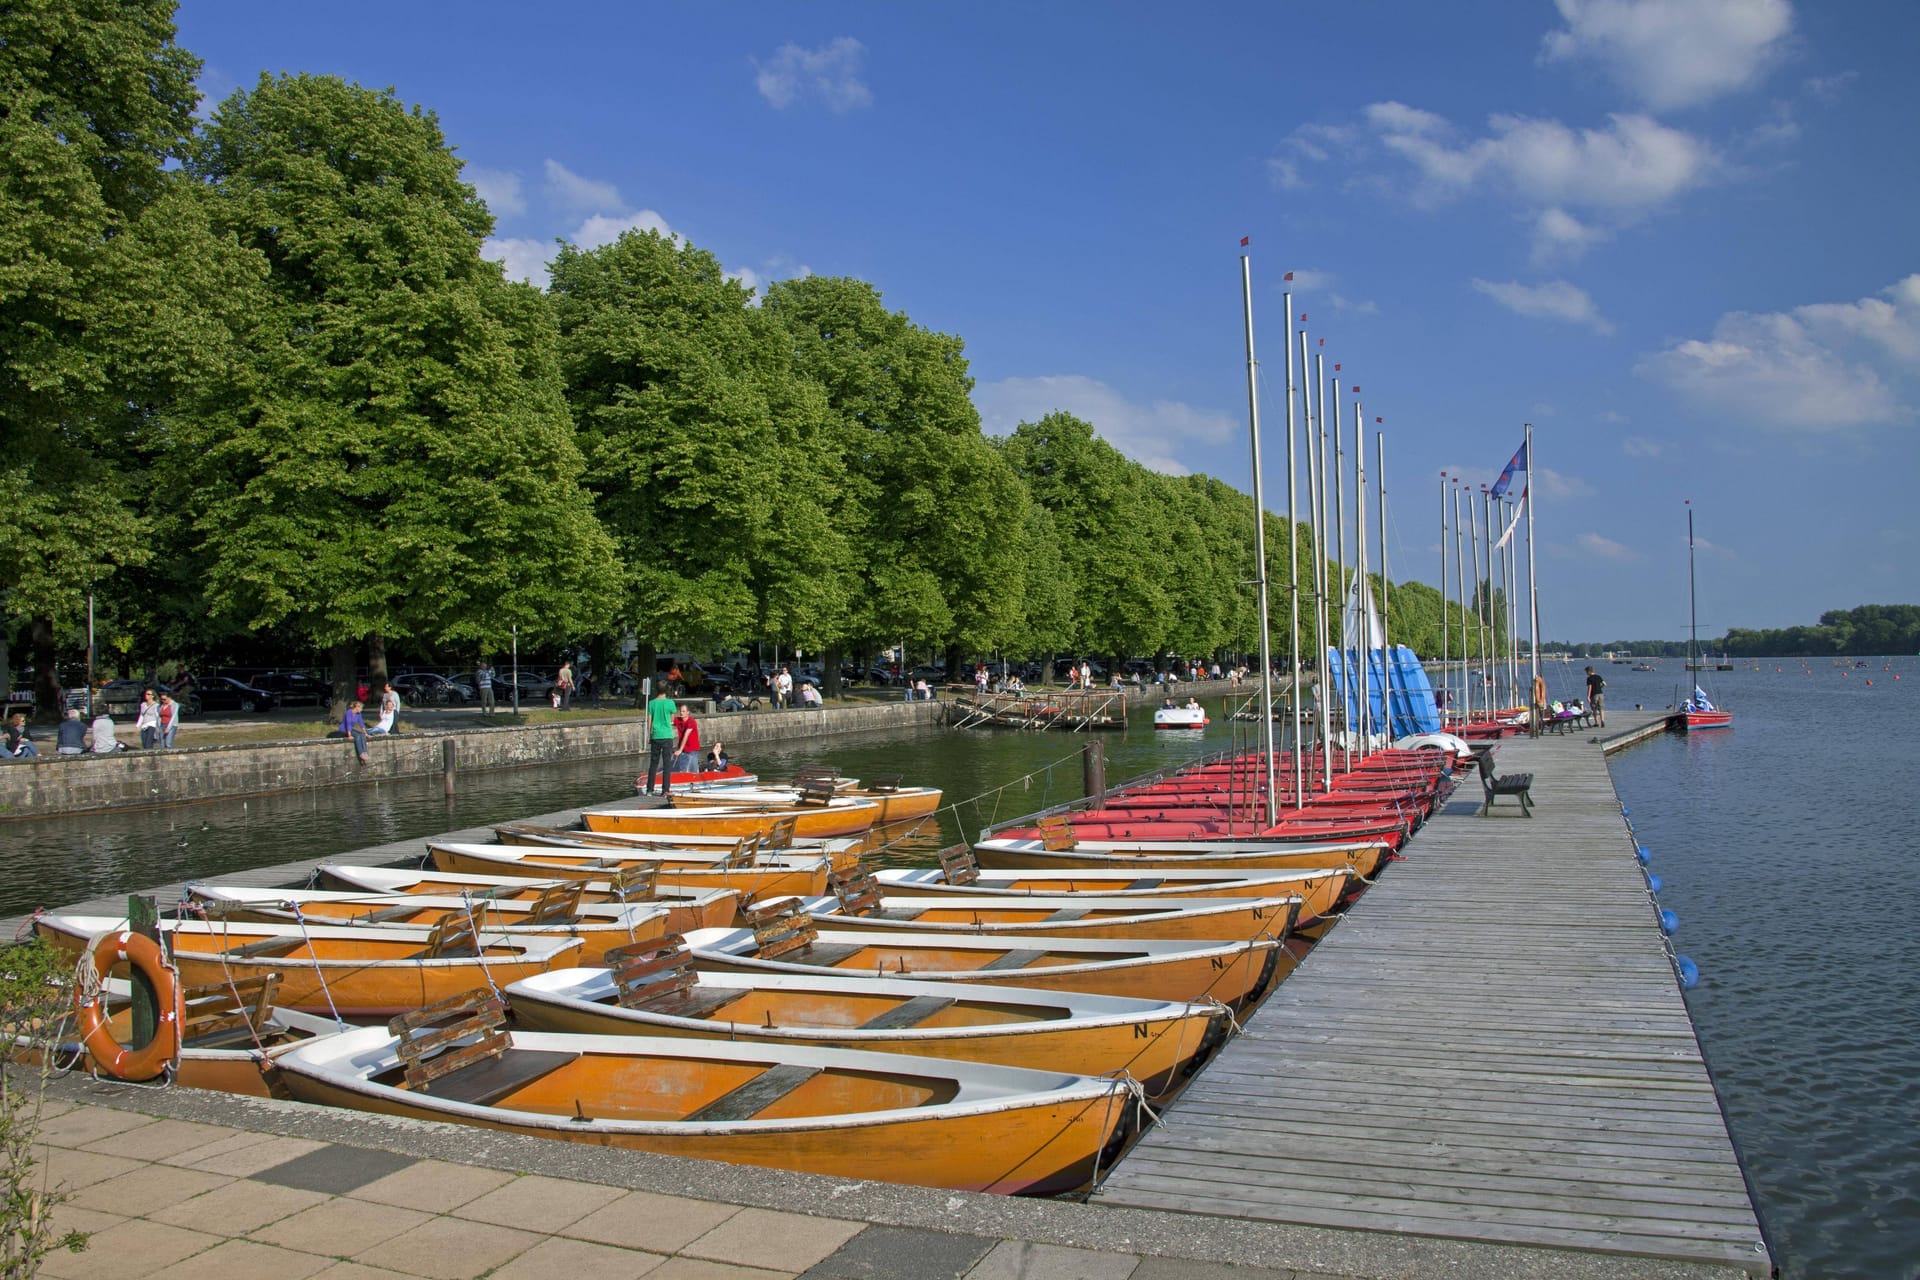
399,461
95,98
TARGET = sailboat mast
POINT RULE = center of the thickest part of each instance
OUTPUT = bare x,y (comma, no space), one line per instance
1446,627
1460,581
1260,531
1533,599
1340,570
1320,564
1386,635
1363,643
1493,614
1293,557
1693,614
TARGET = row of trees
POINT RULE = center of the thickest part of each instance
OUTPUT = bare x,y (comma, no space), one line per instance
261,388
1869,629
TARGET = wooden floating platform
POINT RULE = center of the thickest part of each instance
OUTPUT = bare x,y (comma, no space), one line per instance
1491,1047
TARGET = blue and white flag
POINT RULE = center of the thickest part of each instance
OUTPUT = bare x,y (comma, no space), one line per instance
1505,481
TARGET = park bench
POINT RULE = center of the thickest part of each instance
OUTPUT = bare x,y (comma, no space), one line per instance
1512,784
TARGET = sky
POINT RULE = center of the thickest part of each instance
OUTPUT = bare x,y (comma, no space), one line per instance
1678,237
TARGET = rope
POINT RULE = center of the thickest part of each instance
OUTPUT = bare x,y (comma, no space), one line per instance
319,970
479,945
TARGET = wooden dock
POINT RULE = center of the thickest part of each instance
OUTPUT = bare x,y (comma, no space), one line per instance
1491,1047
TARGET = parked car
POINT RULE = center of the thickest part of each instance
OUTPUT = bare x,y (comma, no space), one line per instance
429,689
295,688
224,693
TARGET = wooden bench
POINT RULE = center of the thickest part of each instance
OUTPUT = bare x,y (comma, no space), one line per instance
1512,784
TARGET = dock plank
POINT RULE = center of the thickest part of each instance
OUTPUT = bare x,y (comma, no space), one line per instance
1491,1046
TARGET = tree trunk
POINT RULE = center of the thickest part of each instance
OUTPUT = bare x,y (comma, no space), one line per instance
340,659
376,660
830,671
1046,669
955,656
46,681
597,649
645,658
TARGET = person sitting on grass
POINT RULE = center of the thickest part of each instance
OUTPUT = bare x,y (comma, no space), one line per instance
103,739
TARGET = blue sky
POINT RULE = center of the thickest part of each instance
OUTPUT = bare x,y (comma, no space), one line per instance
1678,236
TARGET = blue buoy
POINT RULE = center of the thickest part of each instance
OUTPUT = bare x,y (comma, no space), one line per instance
1689,973
1669,922
1642,854
1653,882
1626,810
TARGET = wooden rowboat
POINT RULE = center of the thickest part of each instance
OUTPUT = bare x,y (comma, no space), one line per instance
1363,858
897,804
958,1125
767,877
778,840
328,968
559,912
1320,891
783,939
839,816
638,883
654,992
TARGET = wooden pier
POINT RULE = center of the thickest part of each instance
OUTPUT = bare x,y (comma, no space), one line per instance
1491,1047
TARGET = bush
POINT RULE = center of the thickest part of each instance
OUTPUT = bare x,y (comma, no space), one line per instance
35,998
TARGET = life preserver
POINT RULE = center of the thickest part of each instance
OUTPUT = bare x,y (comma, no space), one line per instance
91,1017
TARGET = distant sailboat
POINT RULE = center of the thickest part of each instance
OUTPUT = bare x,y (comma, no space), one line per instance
1699,711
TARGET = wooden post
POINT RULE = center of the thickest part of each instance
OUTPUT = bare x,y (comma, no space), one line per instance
1093,761
143,917
446,762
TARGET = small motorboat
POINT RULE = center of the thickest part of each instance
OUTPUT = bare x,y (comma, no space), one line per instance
559,912
873,1116
654,991
1191,716
354,972
636,883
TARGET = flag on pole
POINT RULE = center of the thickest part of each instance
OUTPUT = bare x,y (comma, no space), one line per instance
1287,276
1243,243
1519,463
1513,524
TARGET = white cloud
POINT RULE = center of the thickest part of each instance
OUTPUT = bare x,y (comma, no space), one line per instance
1673,53
1309,281
1819,367
1606,548
1314,143
605,229
1553,484
1358,307
1641,447
500,189
829,75
1558,236
572,192
525,259
1830,88
1554,300
1147,433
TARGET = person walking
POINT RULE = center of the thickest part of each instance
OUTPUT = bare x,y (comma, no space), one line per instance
483,682
660,713
1597,697
563,685
170,713
147,720
354,725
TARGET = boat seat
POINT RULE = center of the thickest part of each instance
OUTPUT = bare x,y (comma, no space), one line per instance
1150,882
823,954
746,1101
910,1013
1512,784
1067,913
485,1082
694,1003
1013,960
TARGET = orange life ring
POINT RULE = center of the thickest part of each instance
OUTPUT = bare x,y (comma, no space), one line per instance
95,1027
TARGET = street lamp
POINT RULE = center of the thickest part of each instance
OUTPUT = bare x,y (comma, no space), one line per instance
516,668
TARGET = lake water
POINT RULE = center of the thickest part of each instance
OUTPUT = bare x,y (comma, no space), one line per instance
1787,846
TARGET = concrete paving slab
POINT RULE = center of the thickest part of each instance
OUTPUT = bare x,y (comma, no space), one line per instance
578,1260
775,1241
702,1269
356,1271
338,1227
243,1260
1024,1260
135,1247
449,1249
238,1208
245,1159
660,1224
902,1253
178,1139
432,1186
76,1169
81,1125
147,1188
333,1169
536,1203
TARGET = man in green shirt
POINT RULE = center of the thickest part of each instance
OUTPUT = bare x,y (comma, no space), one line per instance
660,711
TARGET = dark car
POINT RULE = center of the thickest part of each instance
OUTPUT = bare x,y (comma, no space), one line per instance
295,688
224,693
429,689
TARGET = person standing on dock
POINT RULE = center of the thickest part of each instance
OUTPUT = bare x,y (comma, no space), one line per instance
660,713
1539,700
1597,698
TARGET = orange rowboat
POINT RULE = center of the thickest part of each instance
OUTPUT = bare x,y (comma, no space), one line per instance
686,908
1320,892
765,878
1363,859
837,817
327,968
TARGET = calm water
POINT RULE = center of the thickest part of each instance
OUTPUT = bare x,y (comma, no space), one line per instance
1787,846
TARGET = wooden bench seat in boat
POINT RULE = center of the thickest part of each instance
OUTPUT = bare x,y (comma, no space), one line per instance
491,1079
1014,960
911,1013
744,1102
1511,784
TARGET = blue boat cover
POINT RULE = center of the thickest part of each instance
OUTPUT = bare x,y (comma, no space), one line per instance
1413,707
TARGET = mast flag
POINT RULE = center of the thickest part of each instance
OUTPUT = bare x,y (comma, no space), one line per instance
1515,522
1505,481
